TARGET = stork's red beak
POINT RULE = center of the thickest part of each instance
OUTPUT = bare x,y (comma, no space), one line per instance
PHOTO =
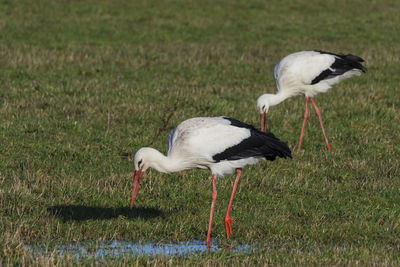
263,122
137,176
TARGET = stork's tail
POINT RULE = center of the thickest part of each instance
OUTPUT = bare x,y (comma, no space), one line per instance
275,147
354,61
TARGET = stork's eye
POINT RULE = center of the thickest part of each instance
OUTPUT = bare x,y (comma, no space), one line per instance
140,163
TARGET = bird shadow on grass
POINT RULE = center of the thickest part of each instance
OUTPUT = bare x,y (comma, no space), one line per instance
82,213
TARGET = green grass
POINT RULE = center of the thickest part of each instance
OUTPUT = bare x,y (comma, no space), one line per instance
84,84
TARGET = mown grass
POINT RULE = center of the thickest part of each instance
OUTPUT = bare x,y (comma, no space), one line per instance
83,85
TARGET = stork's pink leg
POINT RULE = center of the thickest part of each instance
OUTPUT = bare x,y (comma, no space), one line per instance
213,198
320,122
304,123
228,220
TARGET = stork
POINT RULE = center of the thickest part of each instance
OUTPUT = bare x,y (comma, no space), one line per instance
308,73
220,144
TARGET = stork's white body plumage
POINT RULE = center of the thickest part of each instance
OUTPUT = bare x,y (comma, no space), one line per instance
308,73
194,142
295,73
220,144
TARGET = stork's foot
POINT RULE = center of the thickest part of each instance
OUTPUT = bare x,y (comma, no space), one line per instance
228,225
328,147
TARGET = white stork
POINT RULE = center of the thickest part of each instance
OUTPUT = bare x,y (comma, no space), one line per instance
308,73
220,144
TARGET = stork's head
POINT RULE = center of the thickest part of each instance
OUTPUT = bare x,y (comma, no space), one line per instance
263,104
143,158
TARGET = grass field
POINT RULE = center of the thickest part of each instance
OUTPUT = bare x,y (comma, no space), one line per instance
84,84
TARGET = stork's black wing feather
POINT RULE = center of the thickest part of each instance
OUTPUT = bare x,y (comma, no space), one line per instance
259,144
342,64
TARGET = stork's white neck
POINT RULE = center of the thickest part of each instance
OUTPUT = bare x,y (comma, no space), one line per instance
265,101
275,99
162,163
